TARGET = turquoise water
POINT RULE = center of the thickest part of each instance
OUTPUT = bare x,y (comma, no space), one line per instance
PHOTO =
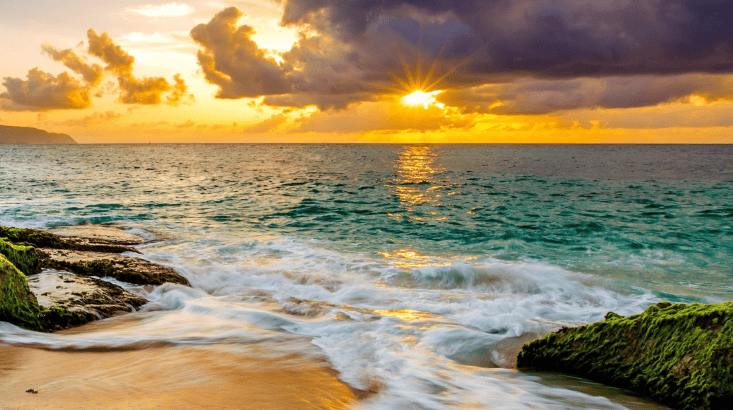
413,258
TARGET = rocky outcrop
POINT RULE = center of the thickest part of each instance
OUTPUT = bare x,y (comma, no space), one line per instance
91,235
94,250
25,258
17,304
120,267
680,355
86,240
28,135
70,300
59,290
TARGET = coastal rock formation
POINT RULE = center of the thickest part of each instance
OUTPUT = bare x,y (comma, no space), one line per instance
94,250
49,299
17,304
97,235
120,267
25,258
84,241
70,300
680,355
28,135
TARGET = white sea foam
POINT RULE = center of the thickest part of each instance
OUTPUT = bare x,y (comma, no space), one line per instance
382,322
379,321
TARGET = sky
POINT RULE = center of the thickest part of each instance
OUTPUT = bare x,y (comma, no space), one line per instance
362,71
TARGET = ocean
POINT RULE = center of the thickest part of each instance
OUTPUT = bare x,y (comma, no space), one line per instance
413,270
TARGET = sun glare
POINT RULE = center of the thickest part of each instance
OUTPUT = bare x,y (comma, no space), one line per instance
421,98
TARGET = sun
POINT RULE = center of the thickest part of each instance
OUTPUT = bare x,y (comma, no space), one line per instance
423,98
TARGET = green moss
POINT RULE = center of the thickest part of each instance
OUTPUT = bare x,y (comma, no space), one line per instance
43,239
25,258
17,304
58,318
35,237
681,355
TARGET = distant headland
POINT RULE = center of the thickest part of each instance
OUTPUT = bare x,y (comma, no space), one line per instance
28,135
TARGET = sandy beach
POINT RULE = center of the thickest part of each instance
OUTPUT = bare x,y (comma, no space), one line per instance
165,378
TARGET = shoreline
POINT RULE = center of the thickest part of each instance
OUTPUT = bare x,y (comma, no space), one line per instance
163,375
219,375
185,377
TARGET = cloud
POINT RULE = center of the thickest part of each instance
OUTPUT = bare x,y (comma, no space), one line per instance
383,116
187,124
92,73
179,93
486,51
233,61
317,70
146,90
542,96
556,38
667,116
44,91
117,59
322,101
94,118
267,125
162,10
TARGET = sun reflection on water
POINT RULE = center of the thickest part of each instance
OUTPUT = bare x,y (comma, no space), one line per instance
406,314
415,183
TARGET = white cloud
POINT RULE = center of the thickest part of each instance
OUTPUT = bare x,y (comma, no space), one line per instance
162,10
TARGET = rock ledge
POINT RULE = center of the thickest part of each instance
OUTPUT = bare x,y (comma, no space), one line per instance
47,281
680,355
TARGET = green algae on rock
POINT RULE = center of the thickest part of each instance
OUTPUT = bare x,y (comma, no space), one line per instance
120,267
43,239
25,258
62,301
91,251
33,237
680,355
18,305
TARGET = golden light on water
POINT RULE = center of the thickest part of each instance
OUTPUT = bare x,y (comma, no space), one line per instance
415,169
406,258
406,314
423,98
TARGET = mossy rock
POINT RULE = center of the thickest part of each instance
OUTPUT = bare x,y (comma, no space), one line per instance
18,305
25,258
58,318
34,237
43,239
680,355
130,270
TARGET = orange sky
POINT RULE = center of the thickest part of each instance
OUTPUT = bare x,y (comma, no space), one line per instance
270,71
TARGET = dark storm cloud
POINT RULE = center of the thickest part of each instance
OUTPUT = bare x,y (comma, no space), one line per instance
320,69
542,96
354,51
558,38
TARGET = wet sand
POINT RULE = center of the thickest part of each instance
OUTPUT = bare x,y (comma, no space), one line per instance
166,377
